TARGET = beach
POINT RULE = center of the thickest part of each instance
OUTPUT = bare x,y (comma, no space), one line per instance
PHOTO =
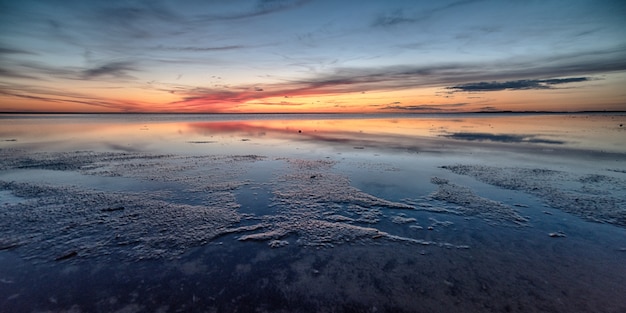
492,212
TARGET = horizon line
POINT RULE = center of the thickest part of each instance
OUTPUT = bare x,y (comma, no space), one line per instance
333,113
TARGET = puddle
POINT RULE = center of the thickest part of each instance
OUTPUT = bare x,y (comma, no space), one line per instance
7,197
254,200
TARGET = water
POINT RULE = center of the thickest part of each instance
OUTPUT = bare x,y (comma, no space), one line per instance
309,213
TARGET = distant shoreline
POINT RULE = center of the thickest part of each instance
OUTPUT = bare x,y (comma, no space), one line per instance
317,113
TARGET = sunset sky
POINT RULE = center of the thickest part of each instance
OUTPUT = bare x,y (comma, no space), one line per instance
312,56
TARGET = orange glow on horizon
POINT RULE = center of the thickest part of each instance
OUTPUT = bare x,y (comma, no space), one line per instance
91,98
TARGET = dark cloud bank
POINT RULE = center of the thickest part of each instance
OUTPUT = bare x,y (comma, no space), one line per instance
524,84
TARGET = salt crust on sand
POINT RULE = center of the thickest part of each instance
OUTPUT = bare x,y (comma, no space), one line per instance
59,220
472,204
594,197
318,207
313,205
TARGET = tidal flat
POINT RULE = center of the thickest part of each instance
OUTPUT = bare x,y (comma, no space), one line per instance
313,213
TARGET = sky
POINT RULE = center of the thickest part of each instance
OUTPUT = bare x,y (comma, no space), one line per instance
251,56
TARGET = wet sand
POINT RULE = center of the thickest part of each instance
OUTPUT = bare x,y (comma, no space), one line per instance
329,229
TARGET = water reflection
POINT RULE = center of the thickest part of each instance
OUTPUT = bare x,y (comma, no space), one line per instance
163,133
432,134
502,138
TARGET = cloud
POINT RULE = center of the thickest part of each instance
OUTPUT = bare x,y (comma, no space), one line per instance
39,71
399,16
58,96
267,6
517,73
393,18
114,69
202,49
4,50
557,81
524,84
281,103
136,20
424,107
261,7
13,74
457,76
489,109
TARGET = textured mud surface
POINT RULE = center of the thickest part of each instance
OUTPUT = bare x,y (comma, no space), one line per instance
595,197
134,232
189,201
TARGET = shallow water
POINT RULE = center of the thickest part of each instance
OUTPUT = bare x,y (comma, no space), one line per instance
310,213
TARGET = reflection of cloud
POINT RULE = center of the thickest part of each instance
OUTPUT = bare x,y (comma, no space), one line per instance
509,138
229,127
346,137
524,84
341,137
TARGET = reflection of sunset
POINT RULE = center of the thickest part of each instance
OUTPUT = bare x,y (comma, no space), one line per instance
595,131
377,130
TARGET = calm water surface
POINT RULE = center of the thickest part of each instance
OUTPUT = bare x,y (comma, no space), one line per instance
178,133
